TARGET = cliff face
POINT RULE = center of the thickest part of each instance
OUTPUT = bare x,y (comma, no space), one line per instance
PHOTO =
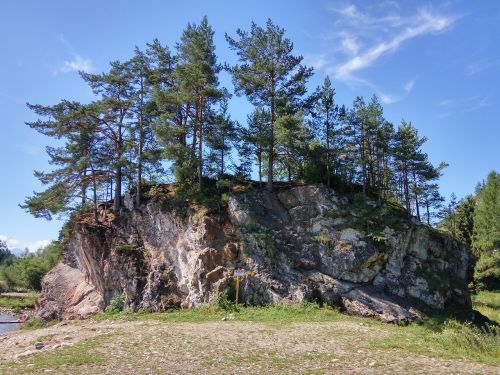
296,244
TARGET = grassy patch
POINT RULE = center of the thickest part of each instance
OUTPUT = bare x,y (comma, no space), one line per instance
488,304
83,353
303,312
18,304
452,340
36,323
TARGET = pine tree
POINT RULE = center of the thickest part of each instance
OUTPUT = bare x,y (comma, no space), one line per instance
257,137
409,162
486,237
324,115
196,73
221,134
268,74
112,113
74,162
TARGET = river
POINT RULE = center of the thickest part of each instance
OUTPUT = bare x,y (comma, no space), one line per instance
8,327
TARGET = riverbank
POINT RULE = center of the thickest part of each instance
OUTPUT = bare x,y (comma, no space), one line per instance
252,340
17,302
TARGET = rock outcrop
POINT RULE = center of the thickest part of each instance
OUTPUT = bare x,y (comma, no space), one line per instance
296,244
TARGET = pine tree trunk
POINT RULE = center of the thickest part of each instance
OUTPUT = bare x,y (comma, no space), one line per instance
200,147
328,147
139,153
118,172
271,136
96,218
428,213
259,157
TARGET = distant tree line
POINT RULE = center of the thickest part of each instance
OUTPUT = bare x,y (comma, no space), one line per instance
25,272
163,114
475,220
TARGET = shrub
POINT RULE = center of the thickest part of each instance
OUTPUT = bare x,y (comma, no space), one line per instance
223,302
487,271
116,304
28,271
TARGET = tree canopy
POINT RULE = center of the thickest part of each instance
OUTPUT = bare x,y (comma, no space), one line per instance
162,115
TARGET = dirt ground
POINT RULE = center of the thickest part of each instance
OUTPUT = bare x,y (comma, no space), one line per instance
222,347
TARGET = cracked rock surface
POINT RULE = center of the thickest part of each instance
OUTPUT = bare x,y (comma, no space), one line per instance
296,244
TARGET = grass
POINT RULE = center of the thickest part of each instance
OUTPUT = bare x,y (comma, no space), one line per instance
83,353
18,304
284,337
283,314
452,340
488,304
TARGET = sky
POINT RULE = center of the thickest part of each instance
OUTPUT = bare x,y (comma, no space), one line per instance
436,64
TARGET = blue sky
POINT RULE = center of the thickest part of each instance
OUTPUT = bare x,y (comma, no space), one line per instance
436,64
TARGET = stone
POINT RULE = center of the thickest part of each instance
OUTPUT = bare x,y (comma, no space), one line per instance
163,255
39,345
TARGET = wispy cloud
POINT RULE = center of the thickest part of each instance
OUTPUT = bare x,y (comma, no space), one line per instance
14,244
463,105
316,61
405,29
78,63
363,36
479,66
408,86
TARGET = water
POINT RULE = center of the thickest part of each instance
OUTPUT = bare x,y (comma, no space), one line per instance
8,327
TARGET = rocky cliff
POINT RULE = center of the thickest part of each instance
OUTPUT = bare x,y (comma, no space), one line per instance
299,243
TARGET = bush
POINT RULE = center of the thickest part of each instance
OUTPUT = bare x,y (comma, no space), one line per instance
28,271
223,302
116,304
487,271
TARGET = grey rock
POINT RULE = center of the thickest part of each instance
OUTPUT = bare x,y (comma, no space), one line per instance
291,243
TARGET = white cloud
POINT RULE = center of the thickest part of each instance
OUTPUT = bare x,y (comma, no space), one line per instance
361,35
445,103
33,247
77,64
388,99
423,23
350,44
316,61
408,86
13,244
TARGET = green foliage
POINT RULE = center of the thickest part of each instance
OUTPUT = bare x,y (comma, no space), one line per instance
18,304
487,216
128,250
477,342
264,240
116,304
488,304
5,254
487,271
223,301
27,271
322,239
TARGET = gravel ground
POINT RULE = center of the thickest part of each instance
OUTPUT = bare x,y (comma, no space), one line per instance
230,347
